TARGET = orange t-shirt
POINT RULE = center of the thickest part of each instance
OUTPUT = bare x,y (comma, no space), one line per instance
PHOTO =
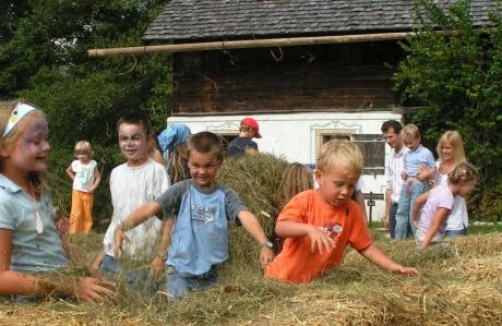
296,263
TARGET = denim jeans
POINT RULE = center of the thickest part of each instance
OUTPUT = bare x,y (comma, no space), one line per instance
137,279
178,286
409,192
455,233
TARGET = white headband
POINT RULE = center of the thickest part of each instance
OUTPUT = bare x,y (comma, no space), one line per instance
17,114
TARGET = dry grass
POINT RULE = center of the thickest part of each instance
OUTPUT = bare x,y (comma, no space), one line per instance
461,285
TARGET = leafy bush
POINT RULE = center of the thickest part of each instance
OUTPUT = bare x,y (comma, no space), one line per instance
452,72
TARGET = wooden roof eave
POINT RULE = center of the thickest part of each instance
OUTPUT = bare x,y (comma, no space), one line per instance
253,43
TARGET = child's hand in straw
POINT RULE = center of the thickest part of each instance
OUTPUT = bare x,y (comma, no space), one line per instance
266,256
157,268
95,290
118,238
400,269
320,240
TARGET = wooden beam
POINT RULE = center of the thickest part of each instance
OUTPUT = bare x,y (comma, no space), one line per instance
243,44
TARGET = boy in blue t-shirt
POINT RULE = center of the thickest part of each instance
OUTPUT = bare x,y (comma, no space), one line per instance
419,166
203,208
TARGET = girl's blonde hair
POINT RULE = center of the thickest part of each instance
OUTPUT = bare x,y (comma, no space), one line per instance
462,173
340,153
6,108
83,147
295,179
455,139
177,167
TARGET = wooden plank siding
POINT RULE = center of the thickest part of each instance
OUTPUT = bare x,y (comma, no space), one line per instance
327,77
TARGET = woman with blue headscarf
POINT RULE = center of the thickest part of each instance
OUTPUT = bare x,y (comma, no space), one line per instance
172,142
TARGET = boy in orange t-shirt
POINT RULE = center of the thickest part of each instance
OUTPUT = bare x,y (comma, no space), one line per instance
318,224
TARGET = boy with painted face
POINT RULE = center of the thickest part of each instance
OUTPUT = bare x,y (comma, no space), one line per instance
132,184
86,178
318,224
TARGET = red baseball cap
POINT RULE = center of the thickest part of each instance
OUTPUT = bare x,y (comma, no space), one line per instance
253,124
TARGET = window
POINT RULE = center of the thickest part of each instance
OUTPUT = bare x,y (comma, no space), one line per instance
227,138
371,145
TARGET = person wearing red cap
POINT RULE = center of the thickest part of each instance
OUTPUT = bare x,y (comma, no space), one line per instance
244,144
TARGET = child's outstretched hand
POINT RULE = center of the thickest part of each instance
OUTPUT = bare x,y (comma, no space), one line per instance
400,269
95,290
321,241
266,256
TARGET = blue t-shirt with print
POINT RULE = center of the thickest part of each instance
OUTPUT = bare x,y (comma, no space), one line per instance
199,238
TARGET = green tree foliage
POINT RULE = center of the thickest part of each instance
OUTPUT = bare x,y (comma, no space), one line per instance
43,58
452,72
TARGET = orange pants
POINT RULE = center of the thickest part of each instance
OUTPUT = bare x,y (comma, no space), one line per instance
81,212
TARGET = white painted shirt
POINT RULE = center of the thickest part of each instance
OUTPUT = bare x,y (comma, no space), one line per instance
130,188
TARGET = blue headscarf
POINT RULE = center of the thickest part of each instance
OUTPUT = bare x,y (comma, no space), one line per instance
173,137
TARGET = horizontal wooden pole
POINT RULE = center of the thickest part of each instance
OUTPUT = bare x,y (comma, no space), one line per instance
243,44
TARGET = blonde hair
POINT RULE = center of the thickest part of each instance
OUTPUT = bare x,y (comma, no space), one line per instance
340,153
6,108
455,139
462,173
83,147
177,167
296,178
410,131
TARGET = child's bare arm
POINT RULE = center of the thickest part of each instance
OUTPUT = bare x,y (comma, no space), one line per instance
70,172
379,258
426,173
419,201
252,225
319,240
98,261
158,265
137,216
16,283
439,218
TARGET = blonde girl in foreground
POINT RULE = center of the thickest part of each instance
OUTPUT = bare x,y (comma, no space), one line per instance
31,249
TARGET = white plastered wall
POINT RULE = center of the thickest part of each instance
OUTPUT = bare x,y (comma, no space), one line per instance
295,136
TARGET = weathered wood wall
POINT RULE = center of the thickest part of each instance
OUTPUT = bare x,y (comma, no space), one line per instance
327,77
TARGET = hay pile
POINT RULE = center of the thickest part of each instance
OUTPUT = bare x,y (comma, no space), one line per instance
255,179
461,285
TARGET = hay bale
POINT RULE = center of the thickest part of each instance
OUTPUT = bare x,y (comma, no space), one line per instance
255,179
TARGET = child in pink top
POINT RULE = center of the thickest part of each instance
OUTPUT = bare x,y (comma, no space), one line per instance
439,202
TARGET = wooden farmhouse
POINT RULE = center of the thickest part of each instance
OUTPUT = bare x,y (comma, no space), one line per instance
307,70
